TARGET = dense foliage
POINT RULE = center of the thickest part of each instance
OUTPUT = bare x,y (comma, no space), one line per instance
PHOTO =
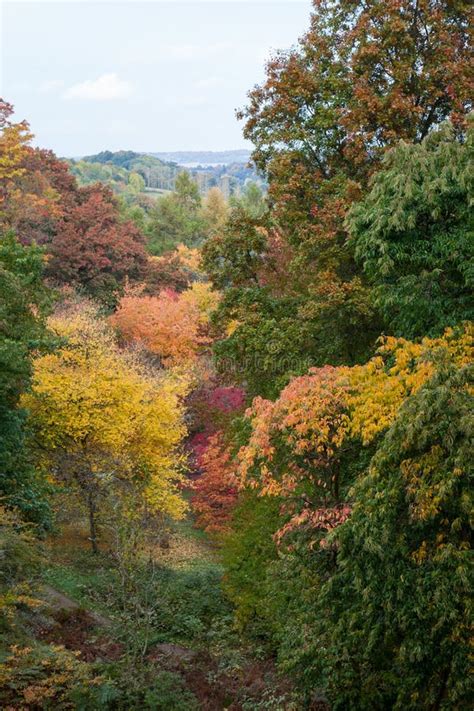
362,78
413,234
103,423
292,369
24,301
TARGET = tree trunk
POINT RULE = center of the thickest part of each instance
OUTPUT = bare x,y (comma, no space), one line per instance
92,521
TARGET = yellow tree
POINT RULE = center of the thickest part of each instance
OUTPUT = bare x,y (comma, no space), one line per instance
398,370
14,138
305,447
102,423
214,211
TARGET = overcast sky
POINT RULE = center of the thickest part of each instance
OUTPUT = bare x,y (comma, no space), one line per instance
146,76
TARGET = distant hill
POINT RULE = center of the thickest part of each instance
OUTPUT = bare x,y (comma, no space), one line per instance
228,170
157,173
204,158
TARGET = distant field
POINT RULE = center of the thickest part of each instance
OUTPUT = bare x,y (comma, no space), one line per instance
156,191
191,159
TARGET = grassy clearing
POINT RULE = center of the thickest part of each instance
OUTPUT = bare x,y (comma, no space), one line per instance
161,638
183,582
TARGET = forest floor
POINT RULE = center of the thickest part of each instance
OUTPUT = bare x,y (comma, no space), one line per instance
175,621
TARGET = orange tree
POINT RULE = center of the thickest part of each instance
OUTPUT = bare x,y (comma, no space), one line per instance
172,326
13,141
301,446
215,491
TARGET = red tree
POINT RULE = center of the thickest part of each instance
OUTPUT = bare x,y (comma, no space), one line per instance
93,249
215,493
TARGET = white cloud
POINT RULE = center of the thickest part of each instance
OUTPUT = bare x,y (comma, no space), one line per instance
104,88
47,87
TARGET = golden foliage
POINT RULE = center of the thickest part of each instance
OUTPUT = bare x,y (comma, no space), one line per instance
99,415
398,370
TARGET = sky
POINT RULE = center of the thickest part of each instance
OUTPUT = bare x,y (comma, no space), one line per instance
143,76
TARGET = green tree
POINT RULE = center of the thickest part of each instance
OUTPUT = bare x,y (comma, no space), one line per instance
176,218
248,551
251,200
187,192
413,234
214,212
24,302
234,256
136,184
385,623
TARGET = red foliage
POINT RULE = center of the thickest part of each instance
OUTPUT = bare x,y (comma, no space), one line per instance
93,248
56,172
320,520
215,492
38,196
197,445
86,242
213,407
226,399
166,272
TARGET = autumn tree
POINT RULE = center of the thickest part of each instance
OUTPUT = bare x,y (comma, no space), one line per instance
191,259
215,491
13,141
37,188
363,77
399,368
165,272
29,202
214,406
301,438
88,243
40,197
175,270
172,326
102,423
299,448
94,250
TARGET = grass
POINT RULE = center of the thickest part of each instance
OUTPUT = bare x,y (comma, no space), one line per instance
184,584
190,548
176,604
81,579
